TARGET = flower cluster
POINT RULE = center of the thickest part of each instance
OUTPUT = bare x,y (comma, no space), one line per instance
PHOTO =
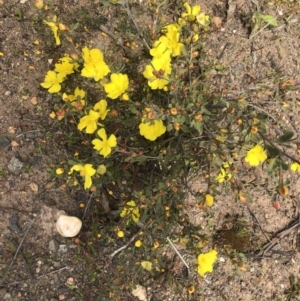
193,14
54,78
131,210
94,65
158,71
55,27
224,174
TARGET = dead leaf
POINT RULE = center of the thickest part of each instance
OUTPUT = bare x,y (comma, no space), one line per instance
14,143
11,130
217,21
33,100
33,186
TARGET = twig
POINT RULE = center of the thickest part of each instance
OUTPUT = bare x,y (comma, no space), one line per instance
19,247
50,273
135,25
277,148
263,232
111,256
177,252
275,240
87,206
20,135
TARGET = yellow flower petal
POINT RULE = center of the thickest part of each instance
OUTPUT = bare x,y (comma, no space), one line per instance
209,200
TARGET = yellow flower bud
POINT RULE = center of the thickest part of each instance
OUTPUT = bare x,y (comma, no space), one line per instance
39,4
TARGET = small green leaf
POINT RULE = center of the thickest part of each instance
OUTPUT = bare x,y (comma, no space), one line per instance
287,136
269,19
271,165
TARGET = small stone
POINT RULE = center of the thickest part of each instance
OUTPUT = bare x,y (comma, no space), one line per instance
3,291
61,297
15,165
70,281
7,93
7,296
53,246
14,144
62,249
4,141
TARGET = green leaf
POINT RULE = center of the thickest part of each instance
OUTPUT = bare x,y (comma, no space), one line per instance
273,152
269,19
271,165
287,136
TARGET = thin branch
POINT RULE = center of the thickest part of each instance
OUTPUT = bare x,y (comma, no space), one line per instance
135,25
111,256
177,252
277,148
53,272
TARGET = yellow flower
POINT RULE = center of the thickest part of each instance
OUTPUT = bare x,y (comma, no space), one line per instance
76,99
256,155
94,65
101,170
223,176
147,265
118,85
161,50
86,171
59,171
66,66
209,200
132,210
120,234
105,145
54,29
138,244
295,167
92,57
202,19
172,39
89,122
191,13
206,261
152,131
101,108
52,81
157,73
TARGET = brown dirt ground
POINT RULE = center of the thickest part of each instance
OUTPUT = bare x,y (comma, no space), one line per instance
253,67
